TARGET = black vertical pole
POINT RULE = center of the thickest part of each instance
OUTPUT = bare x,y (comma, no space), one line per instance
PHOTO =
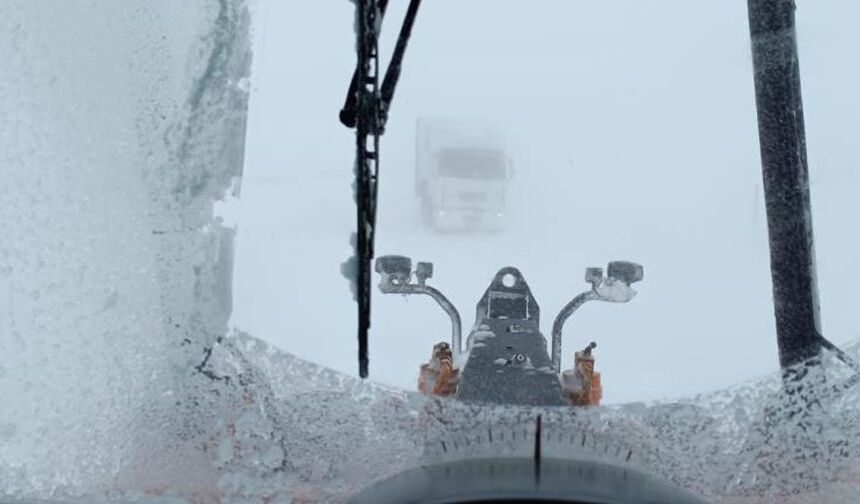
786,179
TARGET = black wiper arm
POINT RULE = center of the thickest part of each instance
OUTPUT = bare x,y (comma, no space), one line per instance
349,112
366,109
392,75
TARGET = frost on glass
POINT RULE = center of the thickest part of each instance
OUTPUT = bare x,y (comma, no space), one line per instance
315,435
121,123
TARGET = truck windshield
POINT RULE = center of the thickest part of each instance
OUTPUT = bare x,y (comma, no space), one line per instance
471,164
181,270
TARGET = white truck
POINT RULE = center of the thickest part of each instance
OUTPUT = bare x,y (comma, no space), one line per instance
461,175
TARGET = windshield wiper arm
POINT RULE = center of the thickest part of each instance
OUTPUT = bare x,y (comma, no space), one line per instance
349,112
366,109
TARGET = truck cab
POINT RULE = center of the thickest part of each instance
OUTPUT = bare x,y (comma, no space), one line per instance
461,177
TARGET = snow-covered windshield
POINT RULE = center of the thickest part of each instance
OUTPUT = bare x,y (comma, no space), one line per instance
177,269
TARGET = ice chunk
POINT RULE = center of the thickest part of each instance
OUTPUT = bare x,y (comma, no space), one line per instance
349,269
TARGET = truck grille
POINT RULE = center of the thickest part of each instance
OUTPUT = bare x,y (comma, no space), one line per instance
473,197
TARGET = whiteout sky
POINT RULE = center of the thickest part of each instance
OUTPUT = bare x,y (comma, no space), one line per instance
632,126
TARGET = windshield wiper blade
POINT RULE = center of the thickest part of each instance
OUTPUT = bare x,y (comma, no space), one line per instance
366,109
